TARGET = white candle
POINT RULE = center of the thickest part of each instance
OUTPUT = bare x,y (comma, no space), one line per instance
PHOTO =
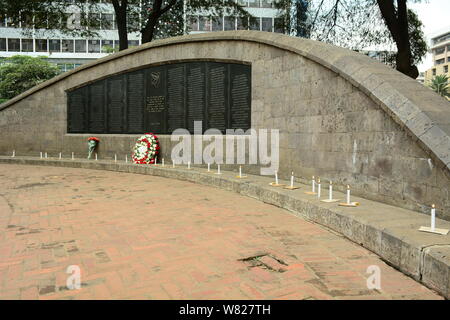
46,155
163,162
433,217
189,164
73,156
60,156
126,158
240,171
218,168
330,193
115,157
292,179
40,155
276,177
96,157
348,194
14,153
209,167
313,185
318,188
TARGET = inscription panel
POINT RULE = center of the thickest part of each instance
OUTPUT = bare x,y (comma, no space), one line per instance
97,107
155,107
195,93
218,97
76,108
135,89
116,104
163,98
240,112
175,97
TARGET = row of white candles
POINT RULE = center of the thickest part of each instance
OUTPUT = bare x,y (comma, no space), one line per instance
330,189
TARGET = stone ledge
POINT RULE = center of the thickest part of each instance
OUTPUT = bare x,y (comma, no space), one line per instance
390,232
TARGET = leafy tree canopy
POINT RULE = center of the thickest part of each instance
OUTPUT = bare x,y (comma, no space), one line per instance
20,73
360,24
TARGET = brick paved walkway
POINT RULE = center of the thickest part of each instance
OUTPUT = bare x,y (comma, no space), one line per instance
145,237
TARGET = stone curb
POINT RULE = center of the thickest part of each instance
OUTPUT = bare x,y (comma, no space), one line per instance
388,231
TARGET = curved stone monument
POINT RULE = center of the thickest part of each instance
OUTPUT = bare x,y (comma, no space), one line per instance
341,115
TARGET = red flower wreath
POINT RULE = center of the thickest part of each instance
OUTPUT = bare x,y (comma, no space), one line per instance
146,149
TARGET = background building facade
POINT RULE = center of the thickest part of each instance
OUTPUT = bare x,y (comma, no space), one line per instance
440,49
69,52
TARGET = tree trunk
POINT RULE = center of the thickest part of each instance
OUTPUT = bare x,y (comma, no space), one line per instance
397,22
149,30
121,20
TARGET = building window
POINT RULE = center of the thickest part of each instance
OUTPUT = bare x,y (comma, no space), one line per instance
80,46
230,23
255,24
54,45
94,21
204,24
439,50
266,3
279,25
94,46
41,45
243,3
107,46
445,69
133,22
242,23
2,20
14,45
67,46
253,3
2,44
133,43
434,72
266,24
440,61
193,23
217,24
27,45
107,21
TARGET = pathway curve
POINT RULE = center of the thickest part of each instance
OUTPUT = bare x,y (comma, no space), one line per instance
145,237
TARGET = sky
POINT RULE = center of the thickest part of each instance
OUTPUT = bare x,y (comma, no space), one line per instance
435,15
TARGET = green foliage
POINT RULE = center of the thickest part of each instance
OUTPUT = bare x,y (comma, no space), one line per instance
417,40
109,49
353,24
20,73
440,85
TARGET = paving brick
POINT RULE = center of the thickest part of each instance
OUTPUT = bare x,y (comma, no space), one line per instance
191,249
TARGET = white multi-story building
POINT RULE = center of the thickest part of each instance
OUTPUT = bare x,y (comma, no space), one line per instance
263,11
69,52
440,49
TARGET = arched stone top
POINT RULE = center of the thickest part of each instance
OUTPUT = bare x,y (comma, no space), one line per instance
416,108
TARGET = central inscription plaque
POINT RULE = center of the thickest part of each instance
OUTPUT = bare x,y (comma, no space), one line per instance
163,98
